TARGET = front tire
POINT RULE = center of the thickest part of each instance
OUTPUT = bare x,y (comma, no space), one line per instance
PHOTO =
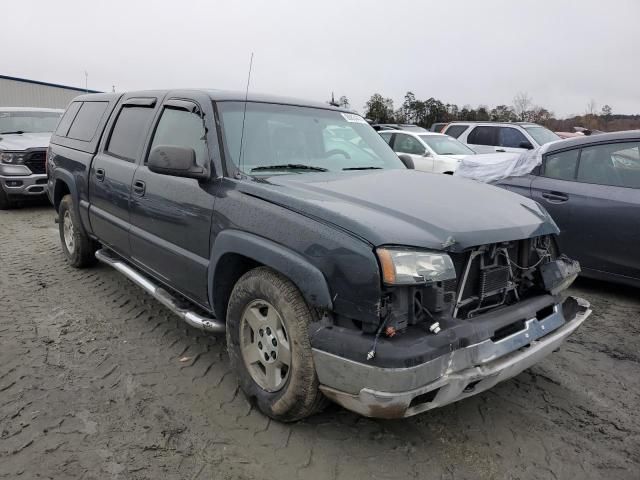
78,248
269,348
5,203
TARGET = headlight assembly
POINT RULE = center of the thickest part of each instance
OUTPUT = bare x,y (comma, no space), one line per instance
405,266
12,157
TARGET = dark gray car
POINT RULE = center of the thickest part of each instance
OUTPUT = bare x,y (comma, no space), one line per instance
591,187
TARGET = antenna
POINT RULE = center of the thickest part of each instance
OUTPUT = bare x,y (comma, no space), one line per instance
244,113
86,81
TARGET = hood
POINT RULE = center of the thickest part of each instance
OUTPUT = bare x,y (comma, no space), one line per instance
408,207
15,141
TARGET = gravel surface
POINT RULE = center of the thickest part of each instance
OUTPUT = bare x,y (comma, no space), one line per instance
99,381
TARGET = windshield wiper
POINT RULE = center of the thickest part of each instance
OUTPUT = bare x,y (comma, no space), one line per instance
289,166
362,168
10,133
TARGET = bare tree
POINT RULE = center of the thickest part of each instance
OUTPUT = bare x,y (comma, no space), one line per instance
592,108
521,104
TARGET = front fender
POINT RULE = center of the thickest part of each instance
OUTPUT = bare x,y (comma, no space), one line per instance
308,278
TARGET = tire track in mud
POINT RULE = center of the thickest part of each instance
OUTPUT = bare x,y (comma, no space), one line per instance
92,386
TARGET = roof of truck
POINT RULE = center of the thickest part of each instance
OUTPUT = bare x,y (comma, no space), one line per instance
221,96
31,109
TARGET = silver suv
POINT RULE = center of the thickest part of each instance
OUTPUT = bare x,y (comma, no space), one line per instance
489,137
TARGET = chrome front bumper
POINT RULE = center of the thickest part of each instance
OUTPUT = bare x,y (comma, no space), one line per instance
402,392
35,184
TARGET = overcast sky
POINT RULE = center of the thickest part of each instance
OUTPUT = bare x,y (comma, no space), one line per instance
563,53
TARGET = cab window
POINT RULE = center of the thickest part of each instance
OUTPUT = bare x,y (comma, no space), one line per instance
181,128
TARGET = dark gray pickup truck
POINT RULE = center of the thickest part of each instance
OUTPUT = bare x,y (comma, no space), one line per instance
335,269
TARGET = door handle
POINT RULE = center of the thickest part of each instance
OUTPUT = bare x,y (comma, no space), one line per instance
555,197
100,174
500,150
139,187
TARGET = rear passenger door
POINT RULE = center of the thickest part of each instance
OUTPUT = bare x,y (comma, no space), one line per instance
171,216
112,171
483,139
605,208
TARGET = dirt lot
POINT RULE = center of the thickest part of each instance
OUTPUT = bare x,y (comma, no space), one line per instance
97,380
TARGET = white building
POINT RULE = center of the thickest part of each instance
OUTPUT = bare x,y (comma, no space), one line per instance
20,92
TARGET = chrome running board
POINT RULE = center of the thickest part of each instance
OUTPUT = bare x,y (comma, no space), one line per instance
160,294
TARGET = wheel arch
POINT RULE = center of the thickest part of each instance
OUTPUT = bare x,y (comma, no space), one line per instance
236,252
60,189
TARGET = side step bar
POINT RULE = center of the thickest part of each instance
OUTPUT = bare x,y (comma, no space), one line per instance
160,294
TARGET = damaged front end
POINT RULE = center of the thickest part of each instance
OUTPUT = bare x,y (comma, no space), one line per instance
451,325
483,278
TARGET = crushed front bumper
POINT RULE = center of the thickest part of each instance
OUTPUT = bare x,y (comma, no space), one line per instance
374,391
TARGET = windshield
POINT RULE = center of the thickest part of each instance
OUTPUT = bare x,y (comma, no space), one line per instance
541,135
28,122
446,145
281,139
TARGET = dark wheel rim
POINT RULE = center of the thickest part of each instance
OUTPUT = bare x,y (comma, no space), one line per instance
265,345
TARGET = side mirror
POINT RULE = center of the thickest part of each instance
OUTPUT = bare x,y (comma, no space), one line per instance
526,144
176,161
426,153
407,160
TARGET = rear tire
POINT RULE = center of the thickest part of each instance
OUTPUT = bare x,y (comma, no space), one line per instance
269,348
78,248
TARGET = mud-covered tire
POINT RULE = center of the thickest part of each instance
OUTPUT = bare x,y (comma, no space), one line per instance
5,203
299,396
78,248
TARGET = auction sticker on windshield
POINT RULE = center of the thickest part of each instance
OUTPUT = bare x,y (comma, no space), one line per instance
353,118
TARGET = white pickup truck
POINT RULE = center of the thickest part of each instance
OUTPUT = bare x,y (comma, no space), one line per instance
24,139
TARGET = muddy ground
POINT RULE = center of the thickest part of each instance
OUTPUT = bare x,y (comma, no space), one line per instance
98,381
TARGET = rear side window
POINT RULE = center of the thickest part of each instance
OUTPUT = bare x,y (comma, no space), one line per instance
67,118
129,132
616,164
86,121
184,129
455,130
511,138
482,136
561,165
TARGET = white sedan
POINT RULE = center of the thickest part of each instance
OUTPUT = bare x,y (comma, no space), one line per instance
430,151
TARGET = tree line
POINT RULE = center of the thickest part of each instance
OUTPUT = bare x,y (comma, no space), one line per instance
427,112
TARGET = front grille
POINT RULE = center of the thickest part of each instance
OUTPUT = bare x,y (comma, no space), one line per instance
35,161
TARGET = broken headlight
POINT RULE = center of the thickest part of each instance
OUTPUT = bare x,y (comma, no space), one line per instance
404,266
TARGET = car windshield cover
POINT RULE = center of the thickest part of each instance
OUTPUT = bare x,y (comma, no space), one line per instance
28,122
446,145
285,139
542,135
